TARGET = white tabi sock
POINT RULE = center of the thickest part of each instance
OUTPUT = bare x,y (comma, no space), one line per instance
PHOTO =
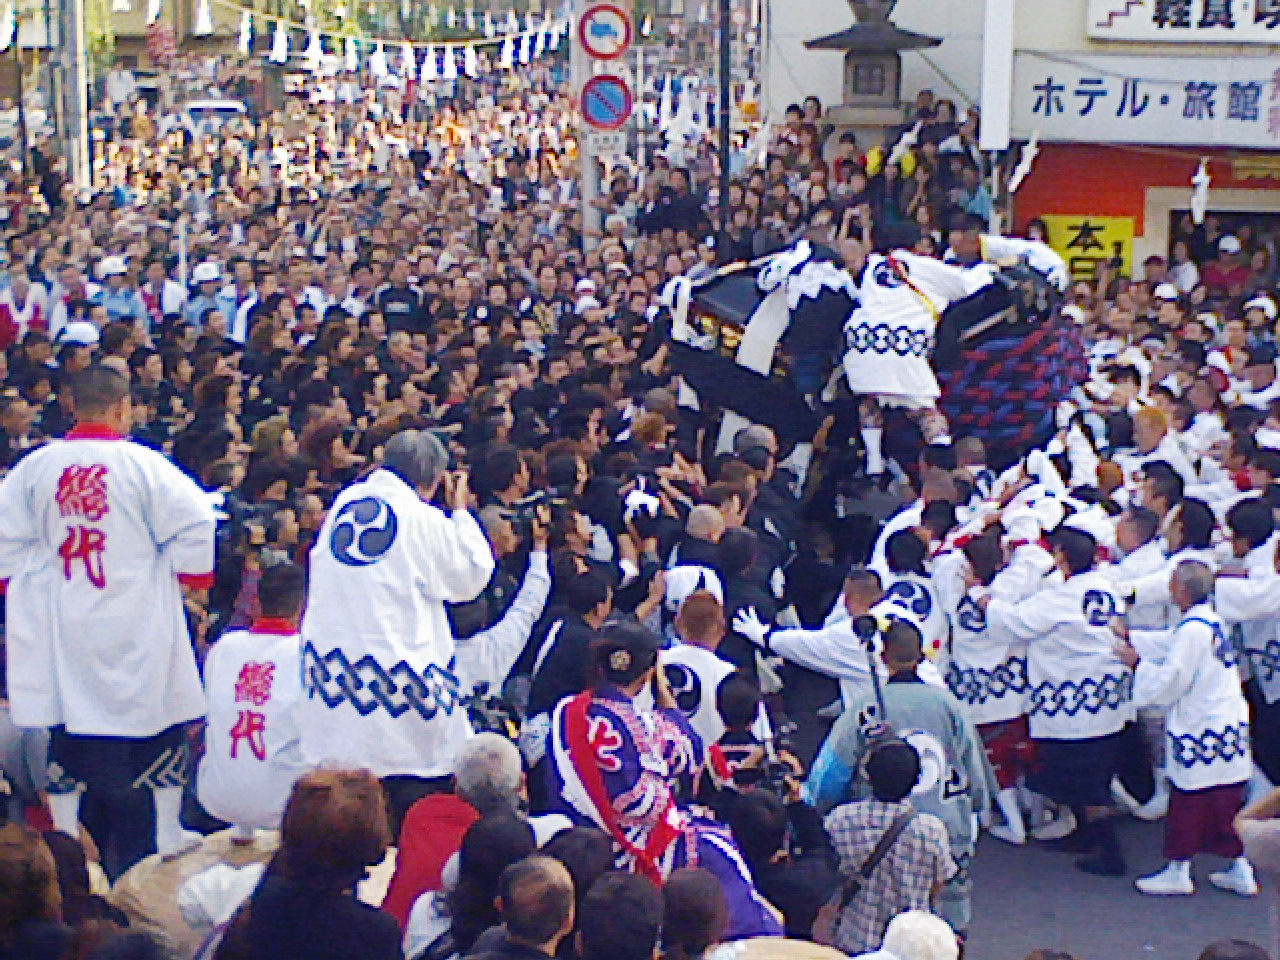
65,810
1007,801
171,838
871,437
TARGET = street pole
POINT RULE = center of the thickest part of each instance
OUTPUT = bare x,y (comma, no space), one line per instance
22,102
640,145
51,97
726,108
580,73
76,87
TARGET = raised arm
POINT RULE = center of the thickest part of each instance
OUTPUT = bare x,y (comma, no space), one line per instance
489,656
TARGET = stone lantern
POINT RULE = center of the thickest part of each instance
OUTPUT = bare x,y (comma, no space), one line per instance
872,65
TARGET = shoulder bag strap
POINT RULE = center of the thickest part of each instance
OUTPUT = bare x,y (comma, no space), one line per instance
882,848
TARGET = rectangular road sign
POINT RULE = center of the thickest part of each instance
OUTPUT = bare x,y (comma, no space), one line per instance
607,144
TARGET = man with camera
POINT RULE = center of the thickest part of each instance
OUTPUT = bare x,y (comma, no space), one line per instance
790,855
379,660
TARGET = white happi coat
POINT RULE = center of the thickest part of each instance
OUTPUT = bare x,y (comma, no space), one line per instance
253,746
1078,688
834,650
1251,607
988,669
95,533
1148,559
919,597
694,675
1207,733
889,337
378,657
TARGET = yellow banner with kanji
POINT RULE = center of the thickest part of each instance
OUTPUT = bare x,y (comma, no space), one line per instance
1084,241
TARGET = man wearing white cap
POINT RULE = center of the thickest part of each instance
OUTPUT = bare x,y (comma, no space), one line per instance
122,301
1167,299
207,277
1227,275
1260,312
586,293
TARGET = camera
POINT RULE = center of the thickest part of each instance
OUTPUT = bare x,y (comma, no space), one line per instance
775,769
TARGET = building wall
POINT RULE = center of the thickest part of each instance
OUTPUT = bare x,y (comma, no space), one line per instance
1143,185
1137,185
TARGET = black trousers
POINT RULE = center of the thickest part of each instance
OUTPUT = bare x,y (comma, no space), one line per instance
118,775
1133,764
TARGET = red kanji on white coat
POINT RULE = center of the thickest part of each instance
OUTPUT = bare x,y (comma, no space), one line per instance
251,727
254,683
82,492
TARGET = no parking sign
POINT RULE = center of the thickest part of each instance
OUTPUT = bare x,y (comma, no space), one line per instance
606,102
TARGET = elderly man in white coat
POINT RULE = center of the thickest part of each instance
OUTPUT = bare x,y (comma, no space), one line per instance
379,664
98,536
1208,760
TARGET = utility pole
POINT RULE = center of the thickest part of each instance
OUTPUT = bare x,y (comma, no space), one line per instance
22,100
75,85
723,115
52,106
579,74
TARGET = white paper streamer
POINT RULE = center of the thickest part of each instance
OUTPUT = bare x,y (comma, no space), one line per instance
314,53
1200,194
280,45
203,26
378,66
1025,162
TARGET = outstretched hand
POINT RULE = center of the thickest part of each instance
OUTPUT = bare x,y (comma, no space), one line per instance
748,623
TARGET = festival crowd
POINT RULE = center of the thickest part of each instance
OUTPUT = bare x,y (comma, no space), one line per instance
374,589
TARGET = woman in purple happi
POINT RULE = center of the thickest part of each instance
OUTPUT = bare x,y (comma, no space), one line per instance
615,766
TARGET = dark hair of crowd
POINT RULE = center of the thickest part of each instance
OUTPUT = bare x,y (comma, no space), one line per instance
695,913
621,918
1078,548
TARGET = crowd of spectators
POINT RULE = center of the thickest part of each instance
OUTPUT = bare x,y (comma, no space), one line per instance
289,291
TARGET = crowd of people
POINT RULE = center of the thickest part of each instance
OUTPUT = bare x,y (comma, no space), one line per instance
352,505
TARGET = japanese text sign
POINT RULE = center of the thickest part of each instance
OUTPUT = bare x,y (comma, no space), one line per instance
1188,21
1170,100
1084,241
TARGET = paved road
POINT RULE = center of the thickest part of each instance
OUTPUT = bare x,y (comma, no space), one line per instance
1027,899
